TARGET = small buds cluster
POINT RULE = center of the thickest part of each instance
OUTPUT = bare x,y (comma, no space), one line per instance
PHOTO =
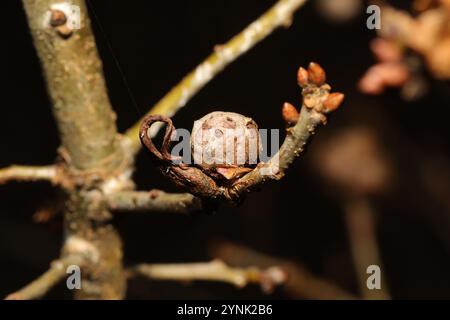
316,94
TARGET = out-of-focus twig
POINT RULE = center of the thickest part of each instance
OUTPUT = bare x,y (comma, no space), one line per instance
356,166
280,14
46,281
361,230
300,283
215,270
153,201
28,173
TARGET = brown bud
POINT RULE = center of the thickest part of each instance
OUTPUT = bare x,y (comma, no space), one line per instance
316,74
302,77
57,18
333,101
289,113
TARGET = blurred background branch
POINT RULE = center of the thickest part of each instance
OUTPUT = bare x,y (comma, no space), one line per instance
215,270
300,283
39,287
29,173
361,226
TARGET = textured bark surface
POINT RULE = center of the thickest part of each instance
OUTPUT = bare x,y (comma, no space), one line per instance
89,142
76,86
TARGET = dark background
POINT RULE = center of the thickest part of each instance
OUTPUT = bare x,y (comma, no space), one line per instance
155,44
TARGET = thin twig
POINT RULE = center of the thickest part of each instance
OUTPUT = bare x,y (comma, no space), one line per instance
317,103
215,270
39,287
28,173
153,201
300,283
280,14
291,148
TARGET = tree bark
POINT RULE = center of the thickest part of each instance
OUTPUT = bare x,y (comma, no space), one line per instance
90,147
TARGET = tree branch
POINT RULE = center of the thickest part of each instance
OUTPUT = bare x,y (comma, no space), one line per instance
74,76
317,102
39,287
300,283
153,201
280,14
90,144
29,173
215,270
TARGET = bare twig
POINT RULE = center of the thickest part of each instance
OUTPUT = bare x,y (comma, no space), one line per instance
45,282
317,102
300,283
280,14
153,201
28,173
215,270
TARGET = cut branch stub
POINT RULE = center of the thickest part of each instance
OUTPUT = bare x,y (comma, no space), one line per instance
208,182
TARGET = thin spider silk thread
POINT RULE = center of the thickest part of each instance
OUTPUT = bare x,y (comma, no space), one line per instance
116,61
